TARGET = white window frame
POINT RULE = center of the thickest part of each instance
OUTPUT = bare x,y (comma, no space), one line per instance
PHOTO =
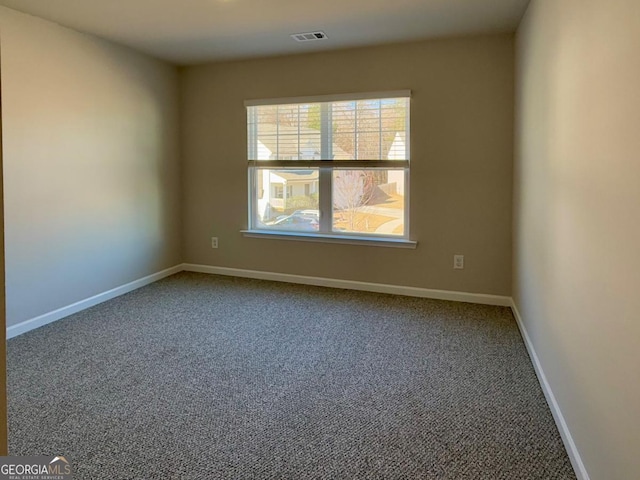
325,183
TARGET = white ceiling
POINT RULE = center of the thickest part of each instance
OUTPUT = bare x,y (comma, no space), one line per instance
194,31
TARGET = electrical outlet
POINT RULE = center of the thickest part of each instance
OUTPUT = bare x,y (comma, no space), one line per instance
458,262
214,242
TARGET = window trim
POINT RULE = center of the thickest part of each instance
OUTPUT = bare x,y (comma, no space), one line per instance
325,173
341,97
345,239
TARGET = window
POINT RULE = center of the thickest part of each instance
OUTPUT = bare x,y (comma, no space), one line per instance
334,166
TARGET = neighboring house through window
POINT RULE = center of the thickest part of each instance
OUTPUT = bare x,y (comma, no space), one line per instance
334,166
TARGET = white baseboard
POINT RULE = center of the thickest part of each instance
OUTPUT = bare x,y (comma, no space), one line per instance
572,450
484,299
27,325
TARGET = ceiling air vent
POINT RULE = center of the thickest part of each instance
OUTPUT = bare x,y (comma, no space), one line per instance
309,37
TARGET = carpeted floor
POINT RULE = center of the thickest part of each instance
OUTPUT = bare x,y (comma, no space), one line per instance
206,377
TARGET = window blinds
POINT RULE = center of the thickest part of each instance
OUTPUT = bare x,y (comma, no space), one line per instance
370,128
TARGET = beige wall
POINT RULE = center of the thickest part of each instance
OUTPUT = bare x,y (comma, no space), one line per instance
461,166
577,218
90,162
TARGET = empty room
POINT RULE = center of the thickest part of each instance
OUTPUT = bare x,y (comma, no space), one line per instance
320,240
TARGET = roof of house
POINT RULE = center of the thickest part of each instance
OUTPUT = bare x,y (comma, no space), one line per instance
298,175
284,139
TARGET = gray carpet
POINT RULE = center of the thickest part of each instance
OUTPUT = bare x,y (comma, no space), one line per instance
206,377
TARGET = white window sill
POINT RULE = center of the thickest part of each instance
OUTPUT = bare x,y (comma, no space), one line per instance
342,239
